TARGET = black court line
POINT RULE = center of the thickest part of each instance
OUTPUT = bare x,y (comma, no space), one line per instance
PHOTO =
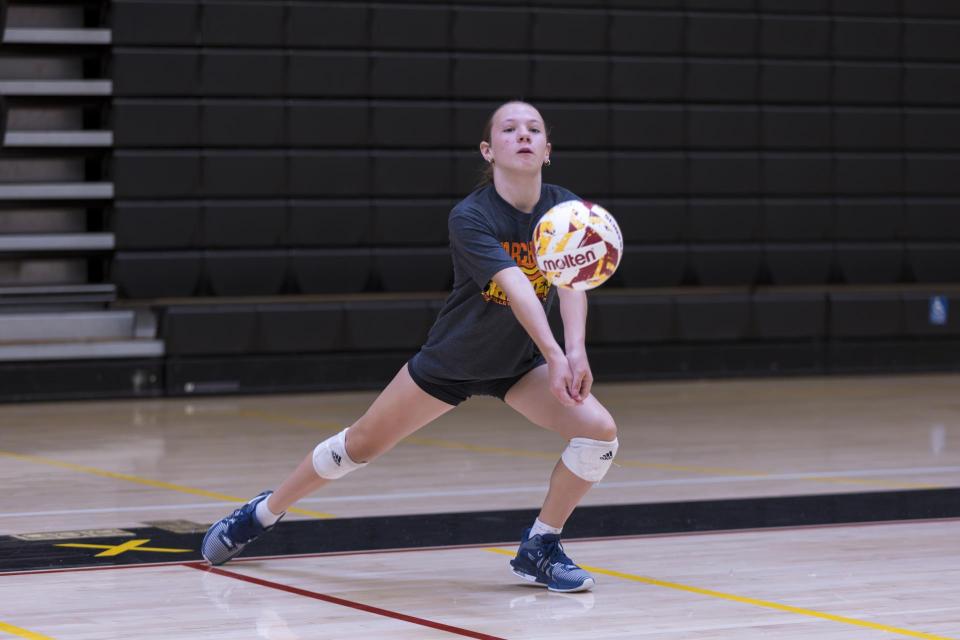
300,537
455,547
467,633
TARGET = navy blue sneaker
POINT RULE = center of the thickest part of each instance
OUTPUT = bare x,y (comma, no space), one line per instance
541,559
226,538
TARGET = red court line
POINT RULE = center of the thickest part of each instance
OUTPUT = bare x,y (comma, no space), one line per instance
344,603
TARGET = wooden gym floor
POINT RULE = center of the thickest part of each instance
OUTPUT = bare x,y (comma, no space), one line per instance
91,489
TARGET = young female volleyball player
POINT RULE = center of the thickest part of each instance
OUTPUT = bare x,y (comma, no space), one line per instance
498,296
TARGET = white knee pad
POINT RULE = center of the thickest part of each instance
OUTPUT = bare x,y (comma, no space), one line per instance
589,459
330,459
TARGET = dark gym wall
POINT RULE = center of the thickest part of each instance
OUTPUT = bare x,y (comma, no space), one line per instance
784,170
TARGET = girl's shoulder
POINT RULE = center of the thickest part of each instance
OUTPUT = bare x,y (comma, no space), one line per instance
474,204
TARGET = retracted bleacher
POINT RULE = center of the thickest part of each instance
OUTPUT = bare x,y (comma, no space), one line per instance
784,173
60,336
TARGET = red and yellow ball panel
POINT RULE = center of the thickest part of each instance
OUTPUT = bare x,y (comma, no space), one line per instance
578,245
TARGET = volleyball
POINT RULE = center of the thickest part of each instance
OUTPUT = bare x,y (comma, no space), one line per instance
578,245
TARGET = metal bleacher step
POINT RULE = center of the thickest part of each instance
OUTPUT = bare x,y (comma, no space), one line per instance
58,139
87,350
69,335
57,191
66,325
33,243
46,295
57,36
56,87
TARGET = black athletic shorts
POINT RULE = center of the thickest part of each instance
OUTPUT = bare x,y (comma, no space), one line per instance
455,392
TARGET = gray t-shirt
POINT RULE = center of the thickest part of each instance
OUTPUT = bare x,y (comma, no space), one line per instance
476,336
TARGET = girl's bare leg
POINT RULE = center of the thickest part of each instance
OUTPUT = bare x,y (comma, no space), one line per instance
532,398
400,409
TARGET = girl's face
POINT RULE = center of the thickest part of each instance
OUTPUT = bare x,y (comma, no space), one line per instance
518,140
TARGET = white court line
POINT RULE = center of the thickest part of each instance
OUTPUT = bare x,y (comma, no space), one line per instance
539,488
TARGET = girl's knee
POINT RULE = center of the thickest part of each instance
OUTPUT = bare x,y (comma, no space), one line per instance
360,445
601,426
607,428
370,437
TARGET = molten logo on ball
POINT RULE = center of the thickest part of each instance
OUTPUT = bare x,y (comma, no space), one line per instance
559,263
578,245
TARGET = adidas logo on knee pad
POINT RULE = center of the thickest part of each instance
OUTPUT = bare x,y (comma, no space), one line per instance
331,460
582,459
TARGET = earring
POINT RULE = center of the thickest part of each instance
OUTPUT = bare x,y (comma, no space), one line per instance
546,162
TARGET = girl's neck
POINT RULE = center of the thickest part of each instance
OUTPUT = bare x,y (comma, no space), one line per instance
521,191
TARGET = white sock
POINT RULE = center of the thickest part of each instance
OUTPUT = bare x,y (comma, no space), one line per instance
266,517
540,528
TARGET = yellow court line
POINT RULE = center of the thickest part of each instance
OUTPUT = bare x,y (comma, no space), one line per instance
115,550
519,453
285,419
157,484
752,601
22,633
